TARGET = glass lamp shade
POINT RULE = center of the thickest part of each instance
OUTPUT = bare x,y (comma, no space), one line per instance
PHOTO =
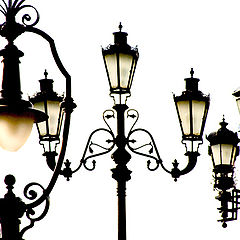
192,108
120,62
120,69
16,121
16,115
223,148
50,129
223,154
49,102
15,130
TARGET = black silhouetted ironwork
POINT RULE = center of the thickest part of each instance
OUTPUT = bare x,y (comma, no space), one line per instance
123,140
49,132
224,149
12,208
120,61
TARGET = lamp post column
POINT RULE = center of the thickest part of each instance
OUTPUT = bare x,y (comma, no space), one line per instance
121,173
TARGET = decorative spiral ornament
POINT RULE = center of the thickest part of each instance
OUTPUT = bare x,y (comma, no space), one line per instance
30,193
27,20
12,9
31,214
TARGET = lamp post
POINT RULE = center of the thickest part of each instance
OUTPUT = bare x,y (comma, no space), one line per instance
223,150
50,112
120,60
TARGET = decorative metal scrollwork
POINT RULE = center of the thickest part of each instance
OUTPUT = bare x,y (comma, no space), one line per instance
11,10
134,115
107,115
149,149
94,149
31,214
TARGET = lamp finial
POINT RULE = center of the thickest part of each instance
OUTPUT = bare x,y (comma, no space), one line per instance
45,73
191,72
120,27
223,124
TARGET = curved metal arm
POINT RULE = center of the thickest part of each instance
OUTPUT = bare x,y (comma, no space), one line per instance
84,159
30,213
175,172
192,160
69,106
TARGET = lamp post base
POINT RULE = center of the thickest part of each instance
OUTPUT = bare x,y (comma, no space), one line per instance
11,210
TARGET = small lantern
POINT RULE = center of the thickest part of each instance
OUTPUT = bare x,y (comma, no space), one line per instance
223,150
192,108
237,95
49,102
120,61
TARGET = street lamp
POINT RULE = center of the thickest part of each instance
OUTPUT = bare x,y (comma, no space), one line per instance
120,61
192,108
49,111
223,150
49,131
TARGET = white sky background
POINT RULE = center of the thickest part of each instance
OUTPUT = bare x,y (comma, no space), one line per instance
172,36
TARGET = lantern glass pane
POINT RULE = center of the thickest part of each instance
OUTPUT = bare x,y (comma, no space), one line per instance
184,114
15,130
223,154
132,73
125,61
196,116
234,155
238,104
42,127
53,109
111,63
198,111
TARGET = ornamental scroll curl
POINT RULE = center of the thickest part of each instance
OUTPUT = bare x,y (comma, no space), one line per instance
11,9
94,149
32,194
145,148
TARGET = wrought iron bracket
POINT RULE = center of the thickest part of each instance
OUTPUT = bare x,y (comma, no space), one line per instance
175,171
89,152
12,209
148,149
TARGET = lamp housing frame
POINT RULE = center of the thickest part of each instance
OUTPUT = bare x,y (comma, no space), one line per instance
190,95
117,50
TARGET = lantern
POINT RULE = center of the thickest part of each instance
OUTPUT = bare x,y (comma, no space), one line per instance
192,108
120,61
223,150
49,102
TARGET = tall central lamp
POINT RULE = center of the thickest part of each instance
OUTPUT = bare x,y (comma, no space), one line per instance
120,60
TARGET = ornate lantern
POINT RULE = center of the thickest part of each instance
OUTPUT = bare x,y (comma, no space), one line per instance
223,150
192,108
49,102
120,61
